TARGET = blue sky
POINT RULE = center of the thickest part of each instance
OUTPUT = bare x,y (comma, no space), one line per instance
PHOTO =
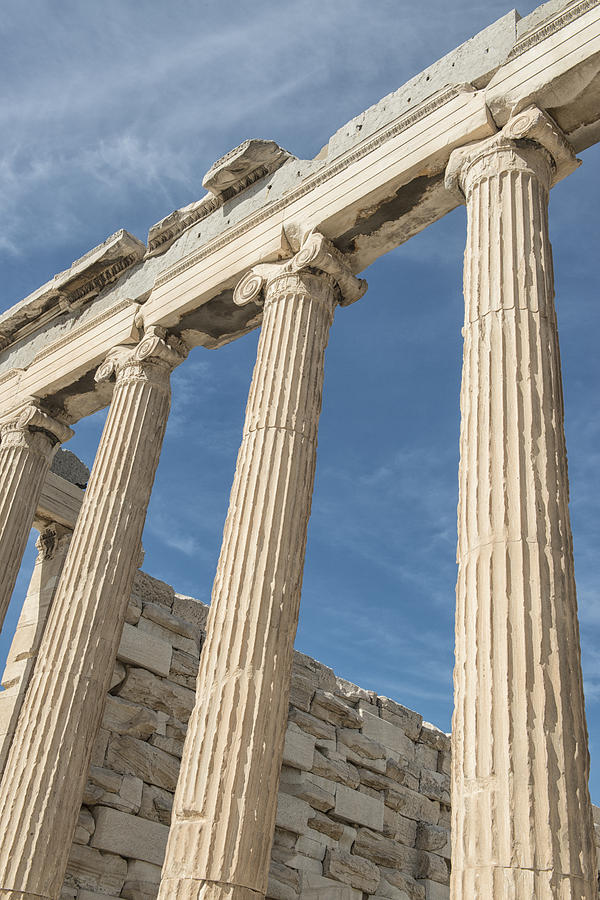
114,113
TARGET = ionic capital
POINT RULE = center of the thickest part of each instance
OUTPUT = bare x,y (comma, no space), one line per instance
53,538
32,425
155,357
317,256
511,149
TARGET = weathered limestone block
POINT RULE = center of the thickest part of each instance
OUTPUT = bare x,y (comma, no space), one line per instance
192,611
143,687
407,719
140,649
170,621
130,756
122,792
325,825
327,706
184,669
434,738
157,804
284,883
435,786
172,638
170,745
431,837
375,780
118,675
89,868
406,886
85,826
359,873
316,887
133,611
143,879
298,748
306,787
334,769
385,852
394,739
426,757
403,771
354,807
292,813
360,743
302,691
151,590
436,891
433,867
126,718
132,836
402,829
413,805
321,730
353,693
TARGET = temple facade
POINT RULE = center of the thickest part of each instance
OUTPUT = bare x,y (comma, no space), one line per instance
494,126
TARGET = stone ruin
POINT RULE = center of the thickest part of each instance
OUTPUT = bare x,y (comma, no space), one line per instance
290,782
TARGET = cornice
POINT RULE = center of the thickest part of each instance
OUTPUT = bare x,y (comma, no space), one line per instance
551,27
327,173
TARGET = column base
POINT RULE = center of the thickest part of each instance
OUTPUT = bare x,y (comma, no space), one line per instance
498,883
193,889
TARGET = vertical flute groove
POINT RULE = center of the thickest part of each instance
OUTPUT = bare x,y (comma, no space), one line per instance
49,758
520,805
224,810
25,459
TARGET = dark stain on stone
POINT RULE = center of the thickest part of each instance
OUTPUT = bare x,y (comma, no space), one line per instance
403,201
220,316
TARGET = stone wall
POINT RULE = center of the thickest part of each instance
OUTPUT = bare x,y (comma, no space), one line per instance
363,801
364,795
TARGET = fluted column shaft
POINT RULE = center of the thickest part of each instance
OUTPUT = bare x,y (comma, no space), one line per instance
27,446
225,805
49,758
521,814
52,544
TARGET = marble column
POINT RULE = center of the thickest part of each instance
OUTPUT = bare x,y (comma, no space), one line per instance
521,814
27,446
224,811
49,758
52,544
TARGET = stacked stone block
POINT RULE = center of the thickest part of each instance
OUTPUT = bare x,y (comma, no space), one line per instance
364,793
363,806
121,836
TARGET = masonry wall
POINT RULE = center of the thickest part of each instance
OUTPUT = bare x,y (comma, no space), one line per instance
363,802
364,796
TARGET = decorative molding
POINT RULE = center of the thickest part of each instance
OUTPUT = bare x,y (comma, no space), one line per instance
84,279
82,329
551,27
342,163
316,253
156,347
10,373
252,160
530,127
165,232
